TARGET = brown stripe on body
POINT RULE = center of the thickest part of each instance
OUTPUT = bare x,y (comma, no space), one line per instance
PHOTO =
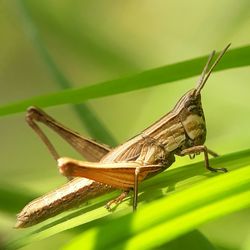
172,137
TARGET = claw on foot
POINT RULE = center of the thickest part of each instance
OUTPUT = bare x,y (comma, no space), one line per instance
224,170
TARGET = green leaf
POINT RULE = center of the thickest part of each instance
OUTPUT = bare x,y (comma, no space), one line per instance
170,204
194,240
234,58
79,36
12,198
170,217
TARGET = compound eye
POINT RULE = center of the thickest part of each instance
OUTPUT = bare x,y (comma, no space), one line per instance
192,108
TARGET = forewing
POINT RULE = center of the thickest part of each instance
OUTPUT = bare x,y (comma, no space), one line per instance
128,151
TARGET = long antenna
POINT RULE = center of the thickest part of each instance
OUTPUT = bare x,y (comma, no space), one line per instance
204,75
201,79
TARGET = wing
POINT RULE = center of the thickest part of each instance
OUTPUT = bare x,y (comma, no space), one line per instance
127,151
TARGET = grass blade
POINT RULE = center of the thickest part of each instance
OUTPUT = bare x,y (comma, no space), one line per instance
170,217
234,58
12,198
179,192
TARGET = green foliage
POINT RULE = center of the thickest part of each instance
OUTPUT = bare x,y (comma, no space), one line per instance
170,204
172,216
93,125
234,58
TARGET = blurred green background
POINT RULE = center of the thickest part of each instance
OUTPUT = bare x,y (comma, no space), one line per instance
94,41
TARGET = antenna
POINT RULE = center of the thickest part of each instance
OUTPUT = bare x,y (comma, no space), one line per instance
204,75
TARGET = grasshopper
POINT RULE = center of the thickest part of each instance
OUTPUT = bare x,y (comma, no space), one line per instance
180,132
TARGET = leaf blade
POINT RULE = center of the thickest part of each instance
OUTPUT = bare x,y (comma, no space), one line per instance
237,57
173,216
94,214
